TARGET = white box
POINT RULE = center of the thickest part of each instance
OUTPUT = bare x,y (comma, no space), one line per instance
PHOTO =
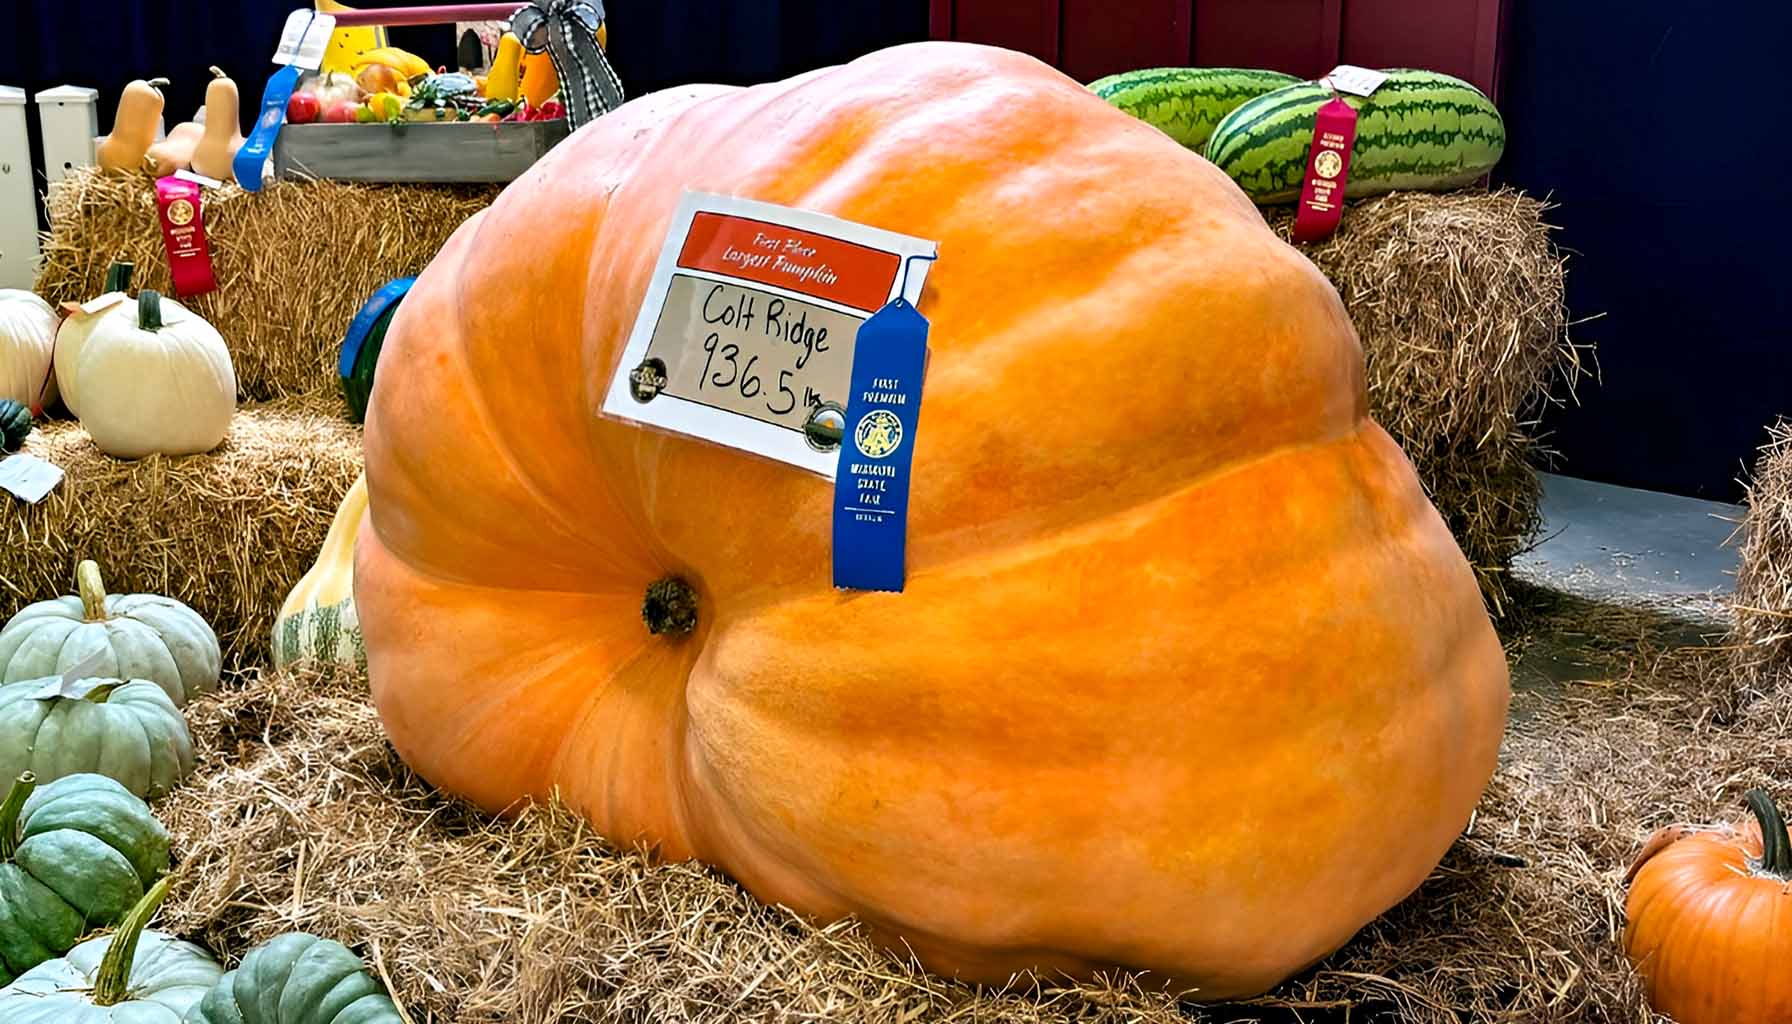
18,197
69,117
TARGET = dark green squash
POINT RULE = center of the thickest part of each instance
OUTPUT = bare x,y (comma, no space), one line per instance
297,979
361,346
15,426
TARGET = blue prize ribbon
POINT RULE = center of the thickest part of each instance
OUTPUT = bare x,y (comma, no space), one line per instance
253,154
883,412
363,322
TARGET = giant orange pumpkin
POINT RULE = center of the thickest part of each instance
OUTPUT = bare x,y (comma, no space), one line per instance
1187,676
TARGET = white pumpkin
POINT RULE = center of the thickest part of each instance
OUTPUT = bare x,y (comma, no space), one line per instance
78,326
157,380
27,341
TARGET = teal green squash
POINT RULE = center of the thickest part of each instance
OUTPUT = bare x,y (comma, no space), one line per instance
297,979
137,636
132,976
128,731
15,426
75,855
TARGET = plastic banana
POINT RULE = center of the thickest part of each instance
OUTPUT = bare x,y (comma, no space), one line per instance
408,64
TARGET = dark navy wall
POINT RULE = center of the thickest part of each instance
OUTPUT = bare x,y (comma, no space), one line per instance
104,44
1661,128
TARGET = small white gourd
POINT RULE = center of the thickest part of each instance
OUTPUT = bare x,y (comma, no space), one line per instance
27,340
157,380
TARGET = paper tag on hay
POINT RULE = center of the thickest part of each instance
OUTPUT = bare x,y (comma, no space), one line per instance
28,477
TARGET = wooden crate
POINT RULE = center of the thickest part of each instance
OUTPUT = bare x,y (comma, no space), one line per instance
417,152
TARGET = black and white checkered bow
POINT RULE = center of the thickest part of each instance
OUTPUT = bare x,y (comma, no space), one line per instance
567,30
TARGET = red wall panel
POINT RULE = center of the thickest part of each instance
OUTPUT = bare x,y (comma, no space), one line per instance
1091,38
1296,36
1104,36
1030,26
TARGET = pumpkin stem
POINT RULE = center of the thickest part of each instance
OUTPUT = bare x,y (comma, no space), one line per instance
1776,849
149,309
157,83
217,72
118,277
113,982
93,590
9,814
670,607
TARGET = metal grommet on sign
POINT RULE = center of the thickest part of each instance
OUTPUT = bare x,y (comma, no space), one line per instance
825,427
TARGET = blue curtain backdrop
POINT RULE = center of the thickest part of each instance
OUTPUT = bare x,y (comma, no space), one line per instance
1660,128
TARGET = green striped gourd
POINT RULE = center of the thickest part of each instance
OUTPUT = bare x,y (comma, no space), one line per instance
318,621
1421,130
1186,103
75,855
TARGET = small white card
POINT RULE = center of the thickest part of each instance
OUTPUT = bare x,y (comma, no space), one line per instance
305,38
28,477
198,179
76,681
98,305
1348,78
745,337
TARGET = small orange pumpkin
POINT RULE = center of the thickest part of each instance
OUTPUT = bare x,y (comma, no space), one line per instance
1709,919
1202,696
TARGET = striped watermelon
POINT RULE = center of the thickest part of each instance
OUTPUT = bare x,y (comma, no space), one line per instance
1186,103
1421,130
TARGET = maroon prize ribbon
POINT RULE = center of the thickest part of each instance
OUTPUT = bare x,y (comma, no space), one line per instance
183,236
1328,171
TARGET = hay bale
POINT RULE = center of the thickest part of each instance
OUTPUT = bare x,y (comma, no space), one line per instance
1761,640
294,261
302,816
1458,299
228,532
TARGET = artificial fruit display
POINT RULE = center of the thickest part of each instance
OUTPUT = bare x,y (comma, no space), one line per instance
132,636
27,344
75,855
297,979
1201,699
132,976
1708,921
154,378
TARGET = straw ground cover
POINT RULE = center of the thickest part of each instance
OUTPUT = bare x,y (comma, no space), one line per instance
301,816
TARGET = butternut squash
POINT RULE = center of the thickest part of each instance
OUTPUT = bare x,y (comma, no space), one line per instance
223,129
175,151
133,128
